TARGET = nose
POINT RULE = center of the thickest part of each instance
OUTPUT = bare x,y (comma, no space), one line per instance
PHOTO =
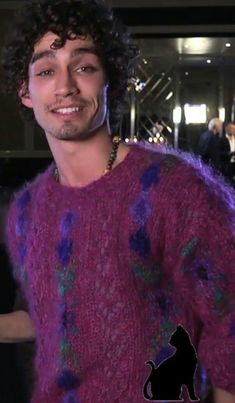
66,85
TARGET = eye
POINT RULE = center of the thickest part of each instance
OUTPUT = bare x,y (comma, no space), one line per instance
45,73
86,69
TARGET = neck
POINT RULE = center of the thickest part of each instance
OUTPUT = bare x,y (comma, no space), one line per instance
82,162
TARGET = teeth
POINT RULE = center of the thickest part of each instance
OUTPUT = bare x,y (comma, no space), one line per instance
68,110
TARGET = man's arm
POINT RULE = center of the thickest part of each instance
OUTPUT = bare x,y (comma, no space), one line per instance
16,327
221,396
201,262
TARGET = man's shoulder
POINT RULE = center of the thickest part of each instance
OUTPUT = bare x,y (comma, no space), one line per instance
184,169
173,169
25,202
27,194
158,155
224,140
168,158
207,134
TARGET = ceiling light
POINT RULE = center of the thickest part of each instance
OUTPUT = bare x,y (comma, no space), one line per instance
228,44
169,96
198,45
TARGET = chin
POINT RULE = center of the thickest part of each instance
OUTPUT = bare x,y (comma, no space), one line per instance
74,136
69,132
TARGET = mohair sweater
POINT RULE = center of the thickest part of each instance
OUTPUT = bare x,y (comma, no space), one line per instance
109,270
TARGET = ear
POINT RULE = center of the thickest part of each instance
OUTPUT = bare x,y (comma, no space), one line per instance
25,95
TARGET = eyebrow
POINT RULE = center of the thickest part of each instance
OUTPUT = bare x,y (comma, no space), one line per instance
51,54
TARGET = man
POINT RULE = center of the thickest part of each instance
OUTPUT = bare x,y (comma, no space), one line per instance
114,245
228,152
210,144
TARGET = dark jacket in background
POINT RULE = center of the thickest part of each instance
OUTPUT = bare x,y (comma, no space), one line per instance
209,148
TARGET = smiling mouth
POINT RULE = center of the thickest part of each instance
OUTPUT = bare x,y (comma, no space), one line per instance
68,110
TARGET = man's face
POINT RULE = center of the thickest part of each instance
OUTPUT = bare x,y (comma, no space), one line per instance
219,128
231,129
67,88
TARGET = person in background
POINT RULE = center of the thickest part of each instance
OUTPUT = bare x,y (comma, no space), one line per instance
114,245
209,147
228,152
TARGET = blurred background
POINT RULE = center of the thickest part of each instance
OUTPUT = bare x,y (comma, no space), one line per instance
185,76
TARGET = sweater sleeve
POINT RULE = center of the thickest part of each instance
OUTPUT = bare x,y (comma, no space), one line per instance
199,253
16,233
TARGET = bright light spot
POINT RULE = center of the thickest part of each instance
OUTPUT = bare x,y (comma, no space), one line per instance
222,114
208,61
145,61
127,140
177,115
228,44
155,140
161,140
135,139
195,113
186,73
154,130
139,86
169,129
198,45
169,96
150,139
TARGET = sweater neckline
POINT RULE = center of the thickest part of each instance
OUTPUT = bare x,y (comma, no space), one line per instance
117,175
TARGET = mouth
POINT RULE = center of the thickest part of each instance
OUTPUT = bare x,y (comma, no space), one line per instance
69,110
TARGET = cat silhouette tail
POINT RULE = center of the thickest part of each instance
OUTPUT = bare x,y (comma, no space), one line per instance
194,399
146,395
151,363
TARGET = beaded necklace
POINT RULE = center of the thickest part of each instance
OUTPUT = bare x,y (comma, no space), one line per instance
113,154
111,160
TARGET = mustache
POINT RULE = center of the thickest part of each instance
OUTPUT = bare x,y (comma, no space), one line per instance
75,100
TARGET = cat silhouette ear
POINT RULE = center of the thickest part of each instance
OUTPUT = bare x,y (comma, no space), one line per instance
180,327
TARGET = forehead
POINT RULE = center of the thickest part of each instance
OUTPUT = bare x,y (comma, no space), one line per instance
49,38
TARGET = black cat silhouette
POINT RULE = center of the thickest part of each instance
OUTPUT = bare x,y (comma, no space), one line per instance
168,378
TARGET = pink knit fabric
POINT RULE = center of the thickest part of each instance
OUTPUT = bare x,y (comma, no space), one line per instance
110,270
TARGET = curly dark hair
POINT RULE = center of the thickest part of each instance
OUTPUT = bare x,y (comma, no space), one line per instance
69,19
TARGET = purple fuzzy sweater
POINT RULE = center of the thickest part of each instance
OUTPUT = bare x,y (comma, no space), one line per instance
109,270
